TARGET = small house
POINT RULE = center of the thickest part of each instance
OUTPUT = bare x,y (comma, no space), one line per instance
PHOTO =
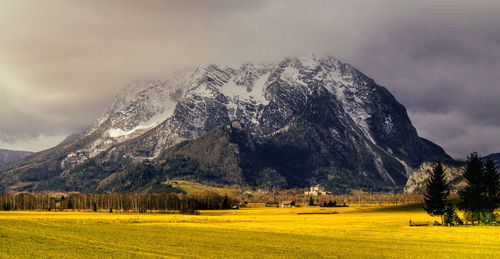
287,204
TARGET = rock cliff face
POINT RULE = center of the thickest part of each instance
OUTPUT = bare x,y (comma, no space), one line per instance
418,179
320,120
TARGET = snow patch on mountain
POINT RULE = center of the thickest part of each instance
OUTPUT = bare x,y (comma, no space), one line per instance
254,94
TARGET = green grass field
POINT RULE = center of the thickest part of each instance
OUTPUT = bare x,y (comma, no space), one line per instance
256,233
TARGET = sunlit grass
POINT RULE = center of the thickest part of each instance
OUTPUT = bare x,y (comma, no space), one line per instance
257,232
194,187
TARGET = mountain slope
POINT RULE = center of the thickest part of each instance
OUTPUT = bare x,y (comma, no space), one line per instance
7,156
320,119
495,157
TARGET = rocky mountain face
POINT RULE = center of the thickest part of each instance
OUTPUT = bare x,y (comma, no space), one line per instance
7,156
418,179
297,122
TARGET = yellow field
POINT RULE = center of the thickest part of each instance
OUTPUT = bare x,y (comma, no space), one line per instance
256,232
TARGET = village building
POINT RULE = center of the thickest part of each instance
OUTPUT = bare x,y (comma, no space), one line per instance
316,190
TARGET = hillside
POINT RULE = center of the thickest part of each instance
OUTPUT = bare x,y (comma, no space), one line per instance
7,156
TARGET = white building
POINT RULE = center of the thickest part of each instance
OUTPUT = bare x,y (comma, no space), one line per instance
316,190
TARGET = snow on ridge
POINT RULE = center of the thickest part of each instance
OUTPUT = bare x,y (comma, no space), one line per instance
309,62
234,91
290,75
144,126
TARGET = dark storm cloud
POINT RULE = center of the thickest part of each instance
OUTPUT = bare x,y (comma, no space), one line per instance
447,75
62,62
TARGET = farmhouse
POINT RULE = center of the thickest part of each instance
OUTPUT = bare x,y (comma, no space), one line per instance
287,204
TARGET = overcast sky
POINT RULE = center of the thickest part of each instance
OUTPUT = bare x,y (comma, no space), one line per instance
62,62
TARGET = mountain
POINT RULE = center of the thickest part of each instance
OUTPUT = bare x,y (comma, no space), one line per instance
495,157
7,156
296,122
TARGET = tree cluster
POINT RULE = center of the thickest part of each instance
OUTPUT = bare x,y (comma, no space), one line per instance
129,202
478,199
481,196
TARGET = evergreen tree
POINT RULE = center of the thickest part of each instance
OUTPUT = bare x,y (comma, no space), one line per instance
330,204
311,201
449,213
436,192
491,187
471,197
450,216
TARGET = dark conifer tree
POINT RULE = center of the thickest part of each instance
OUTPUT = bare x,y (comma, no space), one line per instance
436,192
471,197
311,201
491,187
449,214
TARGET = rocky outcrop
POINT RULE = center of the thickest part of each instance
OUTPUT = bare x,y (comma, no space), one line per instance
418,178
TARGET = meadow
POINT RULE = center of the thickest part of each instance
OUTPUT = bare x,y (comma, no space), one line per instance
306,232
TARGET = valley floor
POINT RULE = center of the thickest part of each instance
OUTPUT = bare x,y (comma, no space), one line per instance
355,232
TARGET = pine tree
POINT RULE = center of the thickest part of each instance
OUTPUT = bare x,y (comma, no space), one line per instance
311,201
436,193
491,187
449,214
471,197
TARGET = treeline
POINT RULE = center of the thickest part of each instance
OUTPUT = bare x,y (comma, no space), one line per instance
478,200
122,202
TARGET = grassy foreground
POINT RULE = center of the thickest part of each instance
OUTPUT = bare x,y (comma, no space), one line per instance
256,232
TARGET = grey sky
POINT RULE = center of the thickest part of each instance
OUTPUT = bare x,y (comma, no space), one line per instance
61,62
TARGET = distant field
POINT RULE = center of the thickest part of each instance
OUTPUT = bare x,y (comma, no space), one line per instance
256,232
193,187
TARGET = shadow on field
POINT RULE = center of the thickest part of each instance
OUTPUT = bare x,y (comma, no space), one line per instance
415,207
